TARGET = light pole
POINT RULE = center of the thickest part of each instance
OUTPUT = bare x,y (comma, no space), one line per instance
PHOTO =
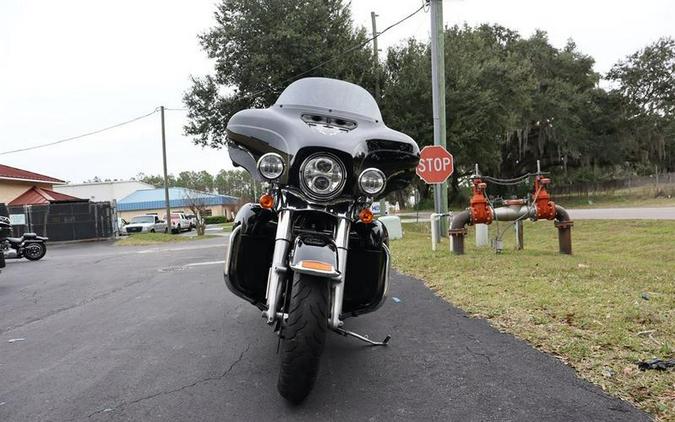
166,179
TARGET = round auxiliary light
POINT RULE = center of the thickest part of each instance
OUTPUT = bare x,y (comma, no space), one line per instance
372,181
271,166
322,176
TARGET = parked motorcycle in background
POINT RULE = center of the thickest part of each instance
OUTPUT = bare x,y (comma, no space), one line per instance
29,245
310,254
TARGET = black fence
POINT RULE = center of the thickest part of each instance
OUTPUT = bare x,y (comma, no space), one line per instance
60,222
653,183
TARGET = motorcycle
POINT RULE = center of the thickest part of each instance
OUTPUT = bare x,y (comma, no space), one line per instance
310,254
29,245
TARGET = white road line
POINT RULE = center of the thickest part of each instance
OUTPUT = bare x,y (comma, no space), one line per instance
195,264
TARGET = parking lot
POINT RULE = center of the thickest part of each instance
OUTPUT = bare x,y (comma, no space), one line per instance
102,332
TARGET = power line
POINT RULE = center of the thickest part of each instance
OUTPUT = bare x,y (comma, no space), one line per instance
72,138
339,55
332,59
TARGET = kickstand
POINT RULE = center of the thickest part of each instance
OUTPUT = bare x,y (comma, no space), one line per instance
363,338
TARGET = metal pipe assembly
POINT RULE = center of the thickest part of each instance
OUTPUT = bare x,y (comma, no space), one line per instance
539,208
564,225
458,231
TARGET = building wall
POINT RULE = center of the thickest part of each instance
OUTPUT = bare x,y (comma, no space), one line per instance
10,189
104,191
227,210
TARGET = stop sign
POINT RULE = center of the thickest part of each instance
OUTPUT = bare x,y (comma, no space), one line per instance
436,164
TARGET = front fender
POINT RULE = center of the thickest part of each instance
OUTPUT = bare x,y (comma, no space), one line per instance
314,255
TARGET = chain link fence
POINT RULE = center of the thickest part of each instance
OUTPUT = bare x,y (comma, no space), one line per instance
63,222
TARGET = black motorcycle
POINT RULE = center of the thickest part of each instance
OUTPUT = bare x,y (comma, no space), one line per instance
29,245
310,254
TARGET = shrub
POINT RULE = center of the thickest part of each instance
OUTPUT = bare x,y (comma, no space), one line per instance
215,219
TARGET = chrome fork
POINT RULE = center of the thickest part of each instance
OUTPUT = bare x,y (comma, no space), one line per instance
338,287
282,242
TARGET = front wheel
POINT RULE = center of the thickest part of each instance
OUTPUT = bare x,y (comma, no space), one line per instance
34,251
304,335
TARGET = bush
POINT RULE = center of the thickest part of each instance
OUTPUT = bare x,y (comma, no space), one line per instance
215,219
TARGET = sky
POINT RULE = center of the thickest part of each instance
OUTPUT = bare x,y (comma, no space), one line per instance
73,66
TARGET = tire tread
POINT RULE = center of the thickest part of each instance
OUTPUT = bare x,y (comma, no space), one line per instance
304,336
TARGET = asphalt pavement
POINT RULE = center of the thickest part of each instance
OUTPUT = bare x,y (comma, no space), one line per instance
99,332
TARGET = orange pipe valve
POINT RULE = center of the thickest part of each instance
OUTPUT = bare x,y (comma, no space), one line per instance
542,200
478,206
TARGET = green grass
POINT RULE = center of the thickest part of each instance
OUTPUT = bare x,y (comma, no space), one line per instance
155,238
587,309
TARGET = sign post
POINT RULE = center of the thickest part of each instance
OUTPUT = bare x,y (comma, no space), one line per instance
435,166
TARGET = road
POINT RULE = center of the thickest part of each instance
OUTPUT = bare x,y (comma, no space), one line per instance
648,213
109,333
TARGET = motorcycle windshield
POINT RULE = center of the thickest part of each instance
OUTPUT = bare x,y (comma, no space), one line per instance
331,95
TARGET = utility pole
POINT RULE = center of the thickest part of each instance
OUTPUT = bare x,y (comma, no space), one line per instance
376,62
438,99
166,178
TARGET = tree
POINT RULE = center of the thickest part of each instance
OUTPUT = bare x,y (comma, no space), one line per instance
200,181
260,46
646,78
197,204
646,81
237,183
155,180
406,94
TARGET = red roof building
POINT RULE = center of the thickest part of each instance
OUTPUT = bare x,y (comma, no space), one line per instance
15,182
13,173
40,196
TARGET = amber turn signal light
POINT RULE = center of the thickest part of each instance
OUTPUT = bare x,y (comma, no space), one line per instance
266,201
366,215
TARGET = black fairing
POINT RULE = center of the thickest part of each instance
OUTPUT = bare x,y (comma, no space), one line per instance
253,246
288,129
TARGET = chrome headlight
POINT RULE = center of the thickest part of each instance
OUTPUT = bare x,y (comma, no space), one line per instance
271,166
372,181
322,176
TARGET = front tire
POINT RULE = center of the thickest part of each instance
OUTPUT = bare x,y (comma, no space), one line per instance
34,251
304,335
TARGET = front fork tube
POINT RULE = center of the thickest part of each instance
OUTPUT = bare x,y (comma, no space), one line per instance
278,270
338,286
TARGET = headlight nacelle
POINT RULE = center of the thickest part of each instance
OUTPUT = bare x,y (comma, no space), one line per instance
372,181
271,166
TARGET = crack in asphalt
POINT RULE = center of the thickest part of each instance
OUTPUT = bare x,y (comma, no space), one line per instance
175,390
72,306
475,353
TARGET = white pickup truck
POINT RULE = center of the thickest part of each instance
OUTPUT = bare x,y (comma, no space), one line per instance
179,222
146,224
